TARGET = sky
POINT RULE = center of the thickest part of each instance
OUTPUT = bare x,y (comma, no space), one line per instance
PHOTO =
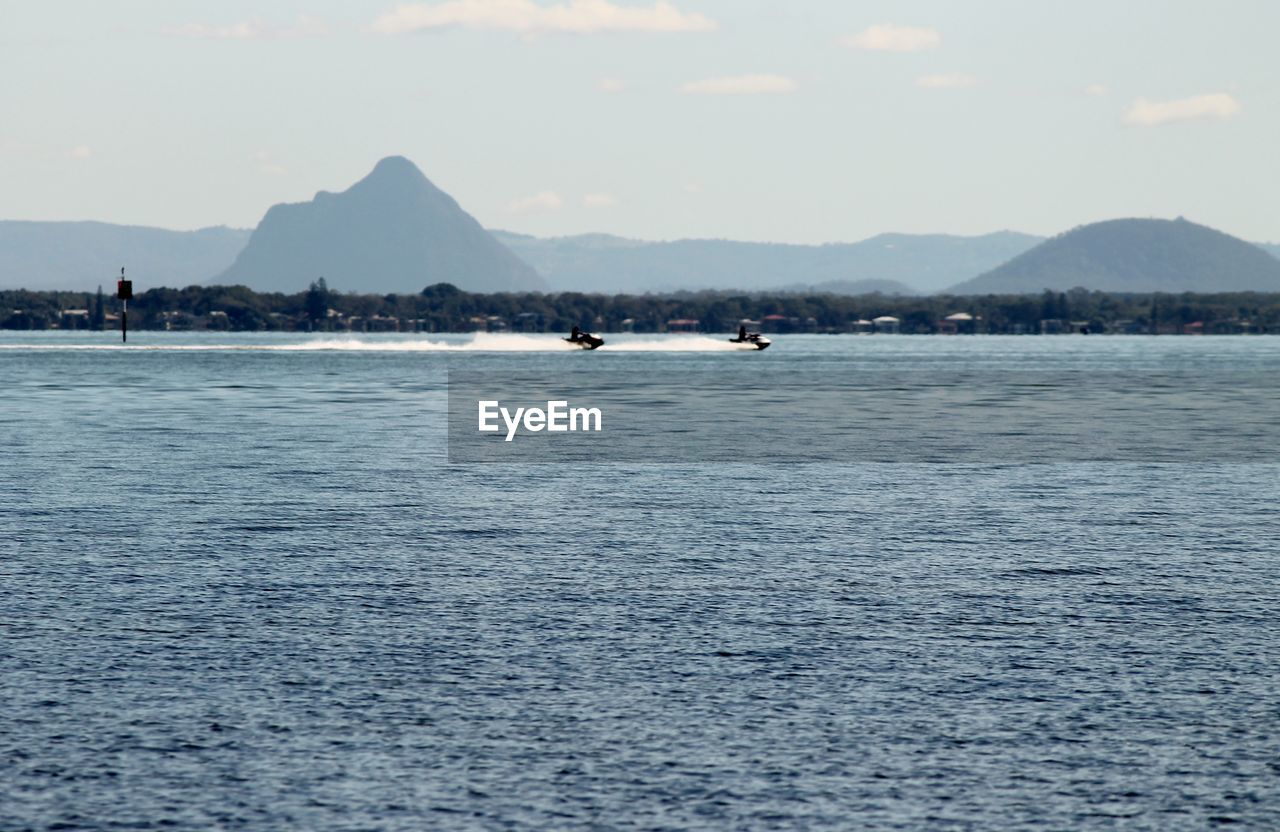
805,121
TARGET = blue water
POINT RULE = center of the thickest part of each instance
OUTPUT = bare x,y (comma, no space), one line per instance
241,588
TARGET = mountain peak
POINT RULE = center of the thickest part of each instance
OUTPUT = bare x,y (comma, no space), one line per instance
393,231
395,166
396,174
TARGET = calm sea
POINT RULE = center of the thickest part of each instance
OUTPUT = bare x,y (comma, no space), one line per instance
241,587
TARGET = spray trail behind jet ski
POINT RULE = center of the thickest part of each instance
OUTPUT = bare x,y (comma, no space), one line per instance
481,342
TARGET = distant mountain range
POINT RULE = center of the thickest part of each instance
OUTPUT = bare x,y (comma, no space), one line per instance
888,263
80,256
394,231
1135,255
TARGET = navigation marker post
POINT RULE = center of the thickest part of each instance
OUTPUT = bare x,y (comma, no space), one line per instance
124,291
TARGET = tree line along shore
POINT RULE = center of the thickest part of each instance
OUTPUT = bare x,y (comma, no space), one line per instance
445,308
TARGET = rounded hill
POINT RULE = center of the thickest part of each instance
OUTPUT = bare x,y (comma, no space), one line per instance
1135,255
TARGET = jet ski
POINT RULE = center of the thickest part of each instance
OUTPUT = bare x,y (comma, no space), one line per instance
750,340
585,339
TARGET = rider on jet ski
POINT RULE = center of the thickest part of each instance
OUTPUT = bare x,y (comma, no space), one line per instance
585,339
753,339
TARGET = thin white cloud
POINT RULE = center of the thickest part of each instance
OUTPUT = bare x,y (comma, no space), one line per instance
577,16
254,29
599,200
741,85
886,37
611,85
80,152
954,81
1097,90
1213,107
543,201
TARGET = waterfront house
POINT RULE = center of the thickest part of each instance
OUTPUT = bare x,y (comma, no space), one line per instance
886,325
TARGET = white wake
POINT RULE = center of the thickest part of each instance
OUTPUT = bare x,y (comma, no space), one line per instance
476,342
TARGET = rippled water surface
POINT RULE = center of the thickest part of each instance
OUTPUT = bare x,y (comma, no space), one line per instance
243,589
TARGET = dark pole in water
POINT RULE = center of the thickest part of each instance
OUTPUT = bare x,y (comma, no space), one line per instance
124,291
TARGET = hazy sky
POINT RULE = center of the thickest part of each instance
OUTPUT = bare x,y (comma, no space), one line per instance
801,121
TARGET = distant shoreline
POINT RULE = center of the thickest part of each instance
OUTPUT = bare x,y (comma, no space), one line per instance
443,308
